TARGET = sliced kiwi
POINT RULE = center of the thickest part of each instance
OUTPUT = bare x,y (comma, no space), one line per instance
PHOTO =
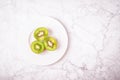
41,33
37,47
50,43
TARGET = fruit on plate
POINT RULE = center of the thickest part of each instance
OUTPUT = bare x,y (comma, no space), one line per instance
43,41
37,47
40,33
50,43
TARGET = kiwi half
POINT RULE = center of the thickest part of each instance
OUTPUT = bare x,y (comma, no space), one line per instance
41,33
50,43
37,47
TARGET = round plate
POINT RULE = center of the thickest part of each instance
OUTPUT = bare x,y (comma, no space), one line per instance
56,30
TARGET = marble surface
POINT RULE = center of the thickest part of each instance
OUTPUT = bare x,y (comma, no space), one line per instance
94,39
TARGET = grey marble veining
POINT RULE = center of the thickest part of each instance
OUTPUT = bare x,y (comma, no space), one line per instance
94,39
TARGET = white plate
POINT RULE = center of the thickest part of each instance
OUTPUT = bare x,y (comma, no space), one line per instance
56,30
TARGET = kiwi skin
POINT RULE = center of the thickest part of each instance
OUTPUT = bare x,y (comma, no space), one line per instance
53,41
38,30
40,45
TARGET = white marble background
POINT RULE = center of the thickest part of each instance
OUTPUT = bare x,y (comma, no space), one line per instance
94,39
